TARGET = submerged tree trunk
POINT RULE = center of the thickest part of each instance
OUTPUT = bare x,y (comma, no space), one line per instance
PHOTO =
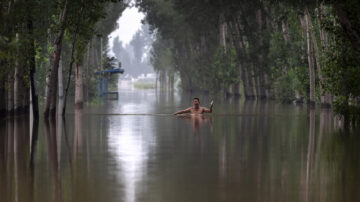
34,96
171,77
298,97
19,86
241,54
237,89
262,94
63,109
2,99
61,89
79,98
10,93
318,62
310,60
248,83
101,54
324,41
258,85
260,78
229,90
87,70
316,49
50,105
19,91
26,101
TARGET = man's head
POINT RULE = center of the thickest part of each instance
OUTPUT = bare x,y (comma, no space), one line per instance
196,102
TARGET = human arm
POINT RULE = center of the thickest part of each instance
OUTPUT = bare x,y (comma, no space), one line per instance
183,111
206,110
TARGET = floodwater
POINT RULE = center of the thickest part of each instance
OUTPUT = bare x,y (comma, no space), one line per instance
133,149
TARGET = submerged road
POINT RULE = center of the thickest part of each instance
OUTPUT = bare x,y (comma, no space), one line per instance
134,149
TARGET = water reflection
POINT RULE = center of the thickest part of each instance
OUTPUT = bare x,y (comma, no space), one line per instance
196,120
130,140
266,152
54,161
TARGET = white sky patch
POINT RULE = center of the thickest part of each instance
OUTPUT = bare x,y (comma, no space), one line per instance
128,24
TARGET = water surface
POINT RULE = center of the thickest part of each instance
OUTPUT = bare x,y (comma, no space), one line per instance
133,149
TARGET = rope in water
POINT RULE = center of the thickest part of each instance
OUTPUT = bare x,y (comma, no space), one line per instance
150,114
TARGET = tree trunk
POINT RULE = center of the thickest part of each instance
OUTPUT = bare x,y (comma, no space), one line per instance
285,30
19,86
61,89
2,99
19,91
229,91
63,109
50,105
101,54
262,87
34,96
171,81
237,90
258,86
26,101
95,53
248,83
324,41
87,71
318,62
261,93
10,93
270,94
78,131
298,97
241,54
79,100
310,61
316,49
222,31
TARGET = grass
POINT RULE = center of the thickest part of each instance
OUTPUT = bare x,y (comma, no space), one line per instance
144,85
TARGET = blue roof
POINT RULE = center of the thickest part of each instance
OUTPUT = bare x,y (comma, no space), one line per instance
111,71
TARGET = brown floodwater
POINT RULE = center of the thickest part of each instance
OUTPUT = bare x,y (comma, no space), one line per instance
133,149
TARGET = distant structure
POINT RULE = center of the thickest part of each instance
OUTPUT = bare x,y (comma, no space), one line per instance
104,80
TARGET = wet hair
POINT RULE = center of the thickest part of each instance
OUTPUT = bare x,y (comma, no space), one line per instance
195,98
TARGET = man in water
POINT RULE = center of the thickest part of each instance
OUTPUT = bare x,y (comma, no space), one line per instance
196,109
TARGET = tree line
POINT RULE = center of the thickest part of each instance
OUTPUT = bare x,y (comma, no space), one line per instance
302,51
43,43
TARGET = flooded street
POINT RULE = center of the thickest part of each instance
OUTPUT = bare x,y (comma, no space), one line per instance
134,149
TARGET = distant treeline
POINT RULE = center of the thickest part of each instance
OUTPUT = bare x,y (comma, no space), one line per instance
303,51
135,57
44,42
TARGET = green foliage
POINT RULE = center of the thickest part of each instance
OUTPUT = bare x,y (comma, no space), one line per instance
224,69
161,55
286,85
342,70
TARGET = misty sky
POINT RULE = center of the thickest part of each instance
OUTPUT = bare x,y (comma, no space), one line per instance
128,24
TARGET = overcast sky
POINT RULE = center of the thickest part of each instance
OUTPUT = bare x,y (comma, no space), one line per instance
128,24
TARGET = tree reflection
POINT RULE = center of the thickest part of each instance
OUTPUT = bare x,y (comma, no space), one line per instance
51,137
78,134
310,154
34,125
15,183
